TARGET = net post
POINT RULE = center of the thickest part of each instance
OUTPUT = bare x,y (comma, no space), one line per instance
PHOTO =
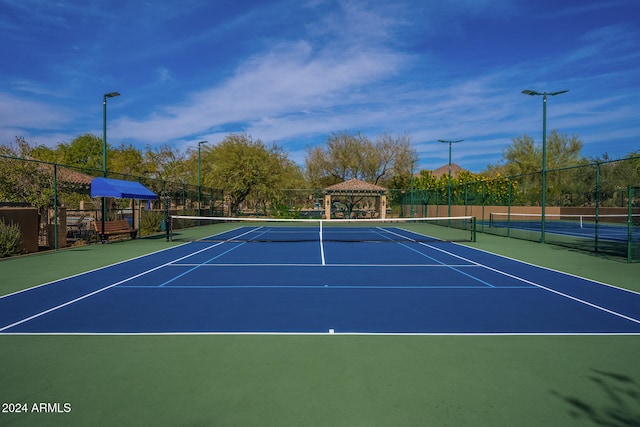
509,210
473,229
629,225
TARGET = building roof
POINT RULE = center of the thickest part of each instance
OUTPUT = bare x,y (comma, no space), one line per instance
67,175
355,186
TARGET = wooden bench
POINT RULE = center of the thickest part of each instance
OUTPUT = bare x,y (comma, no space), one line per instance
113,228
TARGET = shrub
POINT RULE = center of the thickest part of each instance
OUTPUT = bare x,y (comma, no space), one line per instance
151,222
9,239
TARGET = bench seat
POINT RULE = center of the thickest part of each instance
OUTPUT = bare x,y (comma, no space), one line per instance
112,228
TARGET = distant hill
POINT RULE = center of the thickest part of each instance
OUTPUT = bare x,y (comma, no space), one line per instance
444,170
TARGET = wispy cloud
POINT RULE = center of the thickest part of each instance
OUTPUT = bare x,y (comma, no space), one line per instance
293,72
289,76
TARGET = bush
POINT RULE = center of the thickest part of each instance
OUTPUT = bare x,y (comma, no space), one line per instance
151,222
9,239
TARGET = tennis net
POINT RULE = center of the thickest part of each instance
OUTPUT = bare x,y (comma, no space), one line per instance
564,228
503,219
221,229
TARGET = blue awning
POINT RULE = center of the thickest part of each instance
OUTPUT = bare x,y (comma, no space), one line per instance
107,187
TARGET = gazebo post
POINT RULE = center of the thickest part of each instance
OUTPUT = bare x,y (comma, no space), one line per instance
327,206
354,187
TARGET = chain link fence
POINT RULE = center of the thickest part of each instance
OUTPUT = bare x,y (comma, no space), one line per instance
592,207
66,213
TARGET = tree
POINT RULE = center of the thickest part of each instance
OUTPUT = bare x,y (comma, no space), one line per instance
85,151
166,164
247,169
127,160
609,179
524,156
349,155
25,180
523,160
467,188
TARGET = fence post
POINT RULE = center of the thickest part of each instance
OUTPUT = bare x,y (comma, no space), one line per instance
509,208
629,224
597,204
484,195
55,206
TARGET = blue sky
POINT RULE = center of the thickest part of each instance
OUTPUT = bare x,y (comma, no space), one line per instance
294,71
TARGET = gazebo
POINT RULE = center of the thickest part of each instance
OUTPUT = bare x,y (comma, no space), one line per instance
356,188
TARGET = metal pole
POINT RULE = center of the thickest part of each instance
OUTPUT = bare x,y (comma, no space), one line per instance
55,206
104,154
198,179
544,165
411,198
629,224
544,151
449,183
597,205
449,180
199,144
104,161
104,136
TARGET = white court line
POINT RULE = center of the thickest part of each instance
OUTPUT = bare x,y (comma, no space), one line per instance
90,271
344,334
42,313
327,265
321,246
79,298
571,297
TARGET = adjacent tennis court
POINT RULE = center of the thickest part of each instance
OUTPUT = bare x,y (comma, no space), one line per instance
615,228
301,278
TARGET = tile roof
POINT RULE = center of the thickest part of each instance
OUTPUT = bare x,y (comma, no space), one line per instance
68,175
355,185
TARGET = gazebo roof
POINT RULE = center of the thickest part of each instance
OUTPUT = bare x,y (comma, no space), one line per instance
355,186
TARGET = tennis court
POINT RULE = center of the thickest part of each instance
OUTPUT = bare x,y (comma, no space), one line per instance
616,228
215,328
258,278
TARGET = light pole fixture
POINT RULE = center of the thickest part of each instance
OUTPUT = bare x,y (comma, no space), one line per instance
199,144
450,142
544,151
104,153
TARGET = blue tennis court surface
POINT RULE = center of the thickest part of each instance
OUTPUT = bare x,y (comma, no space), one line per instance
616,233
401,286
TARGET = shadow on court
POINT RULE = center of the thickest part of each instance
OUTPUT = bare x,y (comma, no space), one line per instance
614,400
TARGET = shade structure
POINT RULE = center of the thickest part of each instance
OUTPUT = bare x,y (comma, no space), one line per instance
120,189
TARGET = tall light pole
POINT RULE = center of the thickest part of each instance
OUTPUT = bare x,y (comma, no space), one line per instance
104,153
411,200
199,144
449,181
544,151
